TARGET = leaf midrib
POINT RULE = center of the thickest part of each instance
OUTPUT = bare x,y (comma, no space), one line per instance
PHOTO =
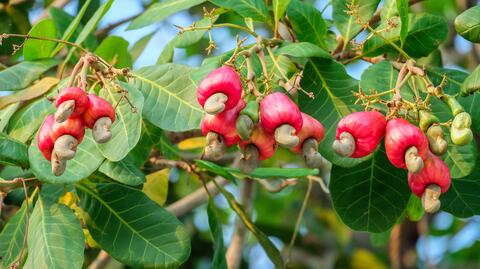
163,89
98,198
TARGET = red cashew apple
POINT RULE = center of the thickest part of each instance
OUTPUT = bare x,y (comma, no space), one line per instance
309,138
220,90
260,146
70,102
220,131
359,133
44,137
67,136
433,180
406,145
281,116
99,116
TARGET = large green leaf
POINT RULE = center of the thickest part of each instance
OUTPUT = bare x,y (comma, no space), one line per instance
462,199
28,119
389,10
6,113
371,196
62,21
37,49
114,50
255,9
86,161
12,151
303,50
346,23
402,7
12,238
467,24
279,8
170,99
139,46
72,27
123,171
159,11
472,82
142,235
307,23
23,74
55,237
127,127
219,260
332,87
425,33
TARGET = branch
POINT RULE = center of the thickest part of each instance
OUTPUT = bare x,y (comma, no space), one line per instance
103,32
234,252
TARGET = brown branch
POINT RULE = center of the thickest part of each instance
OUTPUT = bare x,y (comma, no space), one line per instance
103,32
234,252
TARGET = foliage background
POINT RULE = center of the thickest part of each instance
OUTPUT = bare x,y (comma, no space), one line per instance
441,241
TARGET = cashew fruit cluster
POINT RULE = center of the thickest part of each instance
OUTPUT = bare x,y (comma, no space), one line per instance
62,132
406,145
258,126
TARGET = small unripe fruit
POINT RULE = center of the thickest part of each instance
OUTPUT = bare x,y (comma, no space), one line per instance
45,142
359,133
281,116
70,102
406,145
460,131
436,141
220,131
99,116
221,90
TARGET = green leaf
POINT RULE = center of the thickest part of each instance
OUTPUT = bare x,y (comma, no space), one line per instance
156,186
274,172
23,74
140,46
415,210
12,238
462,199
270,249
425,33
332,87
166,56
307,23
114,50
86,161
471,104
215,168
402,7
39,88
123,171
12,151
6,113
346,23
62,21
93,21
127,127
467,24
219,260
71,28
279,7
303,50
28,119
143,235
389,10
38,49
255,9
170,99
471,83
372,196
460,159
159,11
55,237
